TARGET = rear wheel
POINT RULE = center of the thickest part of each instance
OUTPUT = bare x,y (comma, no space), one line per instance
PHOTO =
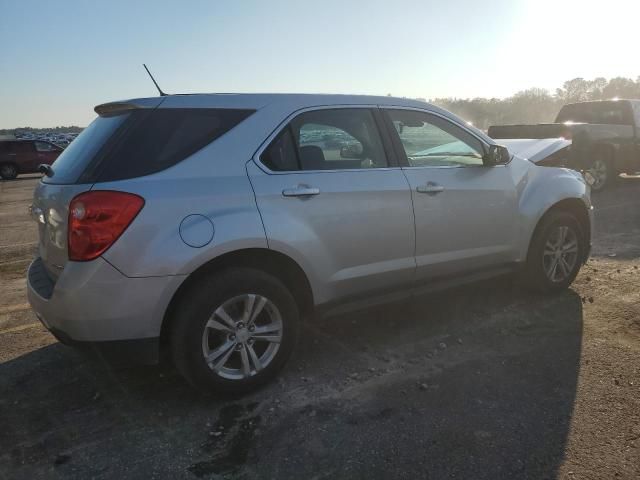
8,171
556,253
234,331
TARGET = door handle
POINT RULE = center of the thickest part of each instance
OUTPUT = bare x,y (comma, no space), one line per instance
301,191
430,188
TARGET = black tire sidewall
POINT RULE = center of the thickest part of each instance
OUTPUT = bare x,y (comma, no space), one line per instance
13,175
196,307
535,274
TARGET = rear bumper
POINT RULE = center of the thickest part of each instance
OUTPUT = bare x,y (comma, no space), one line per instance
92,304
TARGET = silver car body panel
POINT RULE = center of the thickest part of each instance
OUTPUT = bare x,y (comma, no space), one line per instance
355,236
366,231
50,210
92,301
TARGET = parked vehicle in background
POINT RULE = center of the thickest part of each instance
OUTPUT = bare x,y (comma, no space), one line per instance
605,137
24,156
210,225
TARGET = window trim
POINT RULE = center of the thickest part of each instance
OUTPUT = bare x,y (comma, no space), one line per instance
399,149
389,151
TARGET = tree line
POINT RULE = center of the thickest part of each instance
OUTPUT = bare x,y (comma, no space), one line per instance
534,105
538,105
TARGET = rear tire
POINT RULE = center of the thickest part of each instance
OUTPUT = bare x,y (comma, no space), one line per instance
218,341
8,171
556,253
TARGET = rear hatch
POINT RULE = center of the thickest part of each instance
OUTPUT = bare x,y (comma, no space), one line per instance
72,176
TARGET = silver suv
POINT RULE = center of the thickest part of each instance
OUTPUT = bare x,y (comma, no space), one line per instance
210,225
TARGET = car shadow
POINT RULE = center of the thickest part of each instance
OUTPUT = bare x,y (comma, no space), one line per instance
478,382
617,216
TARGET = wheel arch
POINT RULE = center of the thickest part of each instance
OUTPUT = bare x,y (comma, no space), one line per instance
272,262
576,207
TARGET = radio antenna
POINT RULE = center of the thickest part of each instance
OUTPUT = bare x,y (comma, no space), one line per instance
162,94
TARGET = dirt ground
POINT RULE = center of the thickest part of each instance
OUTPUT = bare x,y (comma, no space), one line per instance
484,382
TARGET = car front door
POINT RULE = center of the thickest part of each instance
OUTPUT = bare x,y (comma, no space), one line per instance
332,199
466,212
24,155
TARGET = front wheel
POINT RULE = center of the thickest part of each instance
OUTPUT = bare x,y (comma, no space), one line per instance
603,174
556,253
234,330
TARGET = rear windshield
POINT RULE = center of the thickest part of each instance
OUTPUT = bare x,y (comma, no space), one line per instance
75,159
605,113
142,142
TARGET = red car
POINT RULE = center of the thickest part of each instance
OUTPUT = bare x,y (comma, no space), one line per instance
24,156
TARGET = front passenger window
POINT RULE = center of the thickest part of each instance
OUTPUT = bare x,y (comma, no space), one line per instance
430,141
45,147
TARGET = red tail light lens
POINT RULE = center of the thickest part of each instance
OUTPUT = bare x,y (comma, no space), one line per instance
97,219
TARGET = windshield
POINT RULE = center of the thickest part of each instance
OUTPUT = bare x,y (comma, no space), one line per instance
70,165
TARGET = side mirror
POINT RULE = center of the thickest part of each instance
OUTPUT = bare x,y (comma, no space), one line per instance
353,151
497,155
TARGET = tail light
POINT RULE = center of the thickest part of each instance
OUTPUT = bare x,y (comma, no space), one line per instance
96,220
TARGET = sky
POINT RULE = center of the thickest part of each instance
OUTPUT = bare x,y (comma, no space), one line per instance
60,59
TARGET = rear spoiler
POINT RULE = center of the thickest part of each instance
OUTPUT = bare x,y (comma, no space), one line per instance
117,108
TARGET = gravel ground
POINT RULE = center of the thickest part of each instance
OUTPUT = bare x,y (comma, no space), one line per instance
483,382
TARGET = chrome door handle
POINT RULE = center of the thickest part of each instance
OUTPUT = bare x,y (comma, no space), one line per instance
430,188
301,191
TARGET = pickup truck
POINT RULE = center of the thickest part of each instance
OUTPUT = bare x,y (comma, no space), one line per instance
605,138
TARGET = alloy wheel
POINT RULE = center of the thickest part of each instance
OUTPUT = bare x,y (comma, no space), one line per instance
560,254
599,173
242,336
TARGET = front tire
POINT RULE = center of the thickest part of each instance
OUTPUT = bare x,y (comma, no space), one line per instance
556,253
234,330
603,173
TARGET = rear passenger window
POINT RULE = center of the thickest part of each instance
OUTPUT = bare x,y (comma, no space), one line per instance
45,147
330,139
153,140
612,113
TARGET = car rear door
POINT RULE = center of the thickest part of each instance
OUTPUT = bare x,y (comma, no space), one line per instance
46,152
466,212
331,197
